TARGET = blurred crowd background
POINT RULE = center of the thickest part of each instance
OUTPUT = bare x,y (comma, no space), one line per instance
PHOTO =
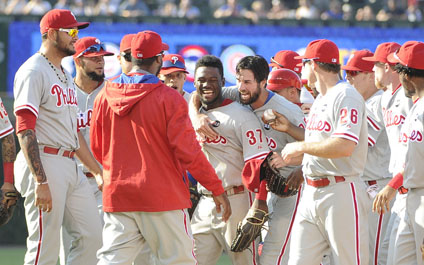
348,10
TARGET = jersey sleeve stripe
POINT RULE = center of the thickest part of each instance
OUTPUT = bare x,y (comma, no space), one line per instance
371,141
373,124
257,156
31,107
7,131
346,136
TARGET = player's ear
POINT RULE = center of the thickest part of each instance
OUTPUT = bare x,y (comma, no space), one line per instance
52,34
223,81
262,84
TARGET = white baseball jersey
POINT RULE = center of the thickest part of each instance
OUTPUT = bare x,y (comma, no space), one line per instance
413,134
276,140
378,157
240,139
85,109
6,127
38,88
395,106
340,113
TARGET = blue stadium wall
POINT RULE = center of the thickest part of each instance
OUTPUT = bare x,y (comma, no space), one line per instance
229,42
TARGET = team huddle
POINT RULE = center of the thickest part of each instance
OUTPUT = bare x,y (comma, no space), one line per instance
135,170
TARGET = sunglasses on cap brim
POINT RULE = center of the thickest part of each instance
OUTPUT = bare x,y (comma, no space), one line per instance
277,63
177,64
93,48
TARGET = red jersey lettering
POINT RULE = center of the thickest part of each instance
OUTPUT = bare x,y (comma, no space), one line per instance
63,97
317,125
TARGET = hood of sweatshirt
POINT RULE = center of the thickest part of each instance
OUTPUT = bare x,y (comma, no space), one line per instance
125,91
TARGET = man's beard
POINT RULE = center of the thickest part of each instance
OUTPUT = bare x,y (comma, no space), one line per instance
96,77
253,97
61,47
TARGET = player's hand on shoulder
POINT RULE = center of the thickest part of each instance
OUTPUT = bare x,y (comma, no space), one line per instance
43,197
382,200
203,126
222,201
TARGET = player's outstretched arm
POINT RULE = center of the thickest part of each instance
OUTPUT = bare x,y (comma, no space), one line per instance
201,122
8,157
222,201
282,124
85,156
29,146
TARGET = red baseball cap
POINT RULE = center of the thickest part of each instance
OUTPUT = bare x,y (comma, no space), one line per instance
147,44
280,79
383,50
286,59
173,63
252,173
90,47
126,42
60,19
324,51
356,63
411,54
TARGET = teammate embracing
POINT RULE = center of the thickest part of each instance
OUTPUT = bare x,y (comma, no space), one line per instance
332,213
240,139
252,73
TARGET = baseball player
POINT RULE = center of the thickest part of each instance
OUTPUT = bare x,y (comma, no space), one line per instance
241,139
410,231
145,194
46,173
8,156
395,107
285,83
89,80
332,214
376,175
174,73
124,56
252,72
286,59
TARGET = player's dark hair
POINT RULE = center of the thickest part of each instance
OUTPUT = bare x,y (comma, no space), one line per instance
143,62
257,64
412,72
210,61
44,37
329,67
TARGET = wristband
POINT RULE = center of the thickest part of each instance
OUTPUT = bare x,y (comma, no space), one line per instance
8,172
397,181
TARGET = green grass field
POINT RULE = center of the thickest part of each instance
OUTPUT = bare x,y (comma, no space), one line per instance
15,256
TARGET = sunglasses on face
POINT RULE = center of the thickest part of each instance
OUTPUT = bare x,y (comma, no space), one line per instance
93,48
127,56
71,32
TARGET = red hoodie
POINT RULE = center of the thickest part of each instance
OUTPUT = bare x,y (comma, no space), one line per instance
142,135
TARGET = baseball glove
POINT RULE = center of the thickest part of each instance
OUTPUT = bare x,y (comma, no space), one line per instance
275,182
249,229
6,212
194,197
